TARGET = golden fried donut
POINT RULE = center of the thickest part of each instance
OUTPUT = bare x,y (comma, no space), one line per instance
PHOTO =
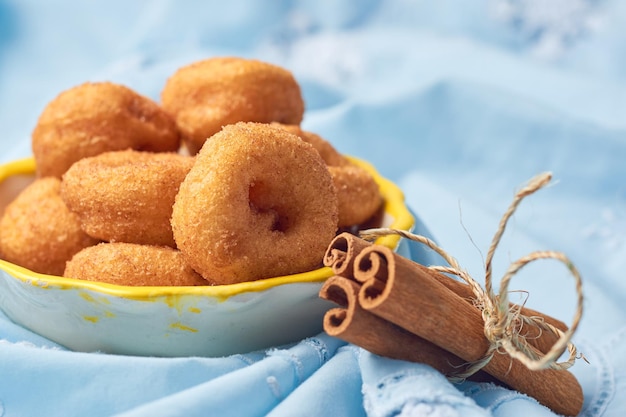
215,92
328,153
126,196
38,231
259,202
132,264
358,194
357,191
97,117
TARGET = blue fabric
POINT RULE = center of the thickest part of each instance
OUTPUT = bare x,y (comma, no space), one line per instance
392,387
458,102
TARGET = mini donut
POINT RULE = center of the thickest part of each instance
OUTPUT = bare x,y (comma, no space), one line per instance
357,191
358,194
97,117
126,196
38,231
132,264
259,202
328,153
215,92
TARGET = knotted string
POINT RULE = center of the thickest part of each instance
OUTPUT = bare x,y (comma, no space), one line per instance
503,321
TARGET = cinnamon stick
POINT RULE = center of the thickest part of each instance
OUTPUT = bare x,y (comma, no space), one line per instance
350,322
341,253
343,250
405,293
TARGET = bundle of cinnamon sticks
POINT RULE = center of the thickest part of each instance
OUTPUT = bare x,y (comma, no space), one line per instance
400,309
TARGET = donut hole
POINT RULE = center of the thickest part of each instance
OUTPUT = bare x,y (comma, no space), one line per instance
267,213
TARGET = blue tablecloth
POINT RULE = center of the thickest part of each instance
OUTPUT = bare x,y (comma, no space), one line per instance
458,102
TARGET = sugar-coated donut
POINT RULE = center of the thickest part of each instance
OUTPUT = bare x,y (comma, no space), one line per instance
259,202
126,196
215,92
357,191
38,231
358,194
327,151
97,117
132,264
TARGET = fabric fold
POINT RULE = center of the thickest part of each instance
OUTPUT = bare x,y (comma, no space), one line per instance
398,388
333,390
252,390
37,381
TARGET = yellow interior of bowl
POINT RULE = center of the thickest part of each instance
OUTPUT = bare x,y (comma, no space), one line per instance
15,175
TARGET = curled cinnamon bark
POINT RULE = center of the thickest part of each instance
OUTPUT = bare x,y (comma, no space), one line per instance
341,253
405,293
343,250
350,322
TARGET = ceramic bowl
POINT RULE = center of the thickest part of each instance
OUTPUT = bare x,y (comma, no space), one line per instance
172,321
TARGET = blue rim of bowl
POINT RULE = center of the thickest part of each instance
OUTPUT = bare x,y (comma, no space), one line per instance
394,205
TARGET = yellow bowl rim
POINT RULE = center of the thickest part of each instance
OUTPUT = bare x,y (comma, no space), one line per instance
394,205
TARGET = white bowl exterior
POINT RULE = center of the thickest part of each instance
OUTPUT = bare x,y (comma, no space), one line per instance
177,325
189,325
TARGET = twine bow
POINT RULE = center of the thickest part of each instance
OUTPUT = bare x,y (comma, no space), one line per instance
503,321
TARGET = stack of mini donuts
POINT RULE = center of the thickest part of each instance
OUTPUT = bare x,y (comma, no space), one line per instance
217,184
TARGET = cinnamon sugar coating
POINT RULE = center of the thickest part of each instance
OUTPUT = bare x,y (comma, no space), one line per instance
357,191
358,194
38,231
326,150
132,264
207,95
92,118
258,203
126,196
